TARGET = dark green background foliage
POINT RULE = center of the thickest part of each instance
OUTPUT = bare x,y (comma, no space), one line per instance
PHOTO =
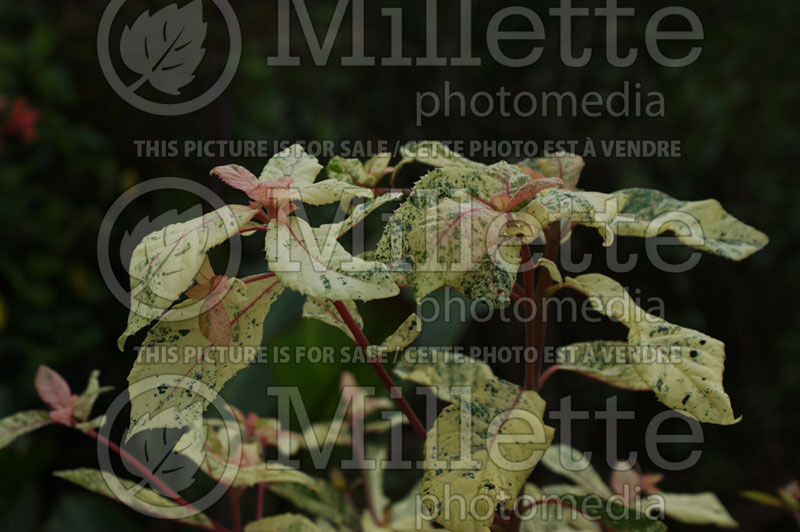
735,112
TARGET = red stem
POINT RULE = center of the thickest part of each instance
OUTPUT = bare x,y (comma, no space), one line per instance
236,514
362,341
551,253
547,373
531,377
379,191
146,473
259,277
249,229
261,490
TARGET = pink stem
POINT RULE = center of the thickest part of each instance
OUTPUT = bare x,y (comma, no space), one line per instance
362,341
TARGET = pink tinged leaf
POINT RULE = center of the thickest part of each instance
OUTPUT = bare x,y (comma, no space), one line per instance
198,292
53,389
236,176
205,273
650,482
529,190
215,325
63,415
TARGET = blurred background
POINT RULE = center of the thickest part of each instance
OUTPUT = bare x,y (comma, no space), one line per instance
67,152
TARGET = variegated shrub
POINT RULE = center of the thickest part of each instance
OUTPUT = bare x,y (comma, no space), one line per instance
465,226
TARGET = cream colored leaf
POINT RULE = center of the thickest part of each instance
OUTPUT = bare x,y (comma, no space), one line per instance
359,213
551,268
86,400
592,209
323,500
683,367
481,184
402,337
15,425
504,433
442,370
505,438
313,263
565,166
702,225
573,464
252,475
402,516
694,509
435,154
165,262
604,360
374,476
464,245
92,424
176,350
294,163
352,171
387,421
376,166
324,434
207,446
324,311
142,499
328,191
282,523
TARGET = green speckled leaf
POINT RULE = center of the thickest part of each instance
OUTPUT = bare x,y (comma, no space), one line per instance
352,171
402,337
505,436
143,499
702,225
312,262
683,367
15,425
442,370
592,209
464,245
565,166
165,262
324,311
604,360
176,347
